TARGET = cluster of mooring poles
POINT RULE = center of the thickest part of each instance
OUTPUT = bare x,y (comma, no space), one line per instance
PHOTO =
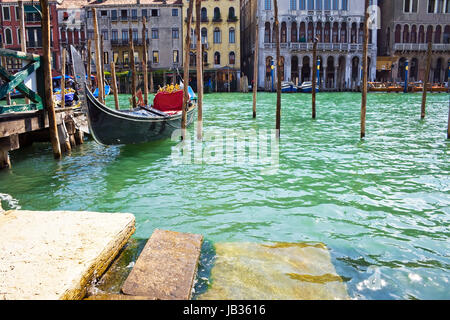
316,63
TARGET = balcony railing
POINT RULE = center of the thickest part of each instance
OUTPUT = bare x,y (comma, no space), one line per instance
232,19
421,47
126,42
34,44
322,46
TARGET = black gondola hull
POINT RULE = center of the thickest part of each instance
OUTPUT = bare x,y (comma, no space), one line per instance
112,127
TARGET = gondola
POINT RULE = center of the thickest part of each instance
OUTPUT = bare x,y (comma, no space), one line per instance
143,124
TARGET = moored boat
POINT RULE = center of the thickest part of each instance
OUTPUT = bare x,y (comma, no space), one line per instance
142,124
306,87
288,87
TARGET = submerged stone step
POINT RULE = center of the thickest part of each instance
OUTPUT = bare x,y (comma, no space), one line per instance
288,271
55,255
167,266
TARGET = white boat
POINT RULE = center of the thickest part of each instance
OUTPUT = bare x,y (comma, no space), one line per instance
306,87
288,87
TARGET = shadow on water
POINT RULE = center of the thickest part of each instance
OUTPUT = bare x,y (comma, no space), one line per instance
111,282
207,259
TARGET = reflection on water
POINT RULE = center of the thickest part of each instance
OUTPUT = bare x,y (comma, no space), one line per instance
381,206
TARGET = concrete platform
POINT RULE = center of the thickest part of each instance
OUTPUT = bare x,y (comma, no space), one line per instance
286,271
167,266
54,255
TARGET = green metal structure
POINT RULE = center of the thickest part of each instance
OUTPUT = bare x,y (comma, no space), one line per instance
16,81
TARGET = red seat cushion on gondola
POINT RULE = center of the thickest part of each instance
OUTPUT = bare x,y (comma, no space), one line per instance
165,101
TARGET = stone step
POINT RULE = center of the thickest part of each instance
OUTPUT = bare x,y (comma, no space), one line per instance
167,266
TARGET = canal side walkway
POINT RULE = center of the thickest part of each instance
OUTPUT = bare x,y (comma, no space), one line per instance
55,255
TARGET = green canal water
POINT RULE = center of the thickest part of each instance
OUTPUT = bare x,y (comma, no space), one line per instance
381,206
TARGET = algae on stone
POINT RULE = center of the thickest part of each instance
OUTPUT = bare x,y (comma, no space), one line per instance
289,271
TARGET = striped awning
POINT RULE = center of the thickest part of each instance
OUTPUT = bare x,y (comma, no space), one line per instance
385,63
32,9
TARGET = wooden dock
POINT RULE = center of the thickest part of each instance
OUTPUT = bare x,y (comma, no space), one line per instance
166,268
55,255
19,129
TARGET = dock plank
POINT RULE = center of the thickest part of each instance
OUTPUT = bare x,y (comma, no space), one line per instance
167,266
55,255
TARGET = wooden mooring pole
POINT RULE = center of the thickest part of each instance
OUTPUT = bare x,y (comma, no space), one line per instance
133,68
255,70
187,49
448,123
102,66
47,69
425,80
89,60
314,79
23,37
277,35
144,59
5,65
364,65
63,77
114,84
199,71
98,59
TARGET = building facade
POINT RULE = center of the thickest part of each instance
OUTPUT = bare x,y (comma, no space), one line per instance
407,27
10,29
71,23
220,37
338,24
163,35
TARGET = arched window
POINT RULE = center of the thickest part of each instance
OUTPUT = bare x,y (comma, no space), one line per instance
231,36
429,34
302,35
216,14
344,33
267,32
204,34
205,57
406,34
447,34
231,15
232,58
398,30
204,15
283,32
437,34
421,34
327,32
216,58
217,38
8,36
294,31
310,31
192,59
413,38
